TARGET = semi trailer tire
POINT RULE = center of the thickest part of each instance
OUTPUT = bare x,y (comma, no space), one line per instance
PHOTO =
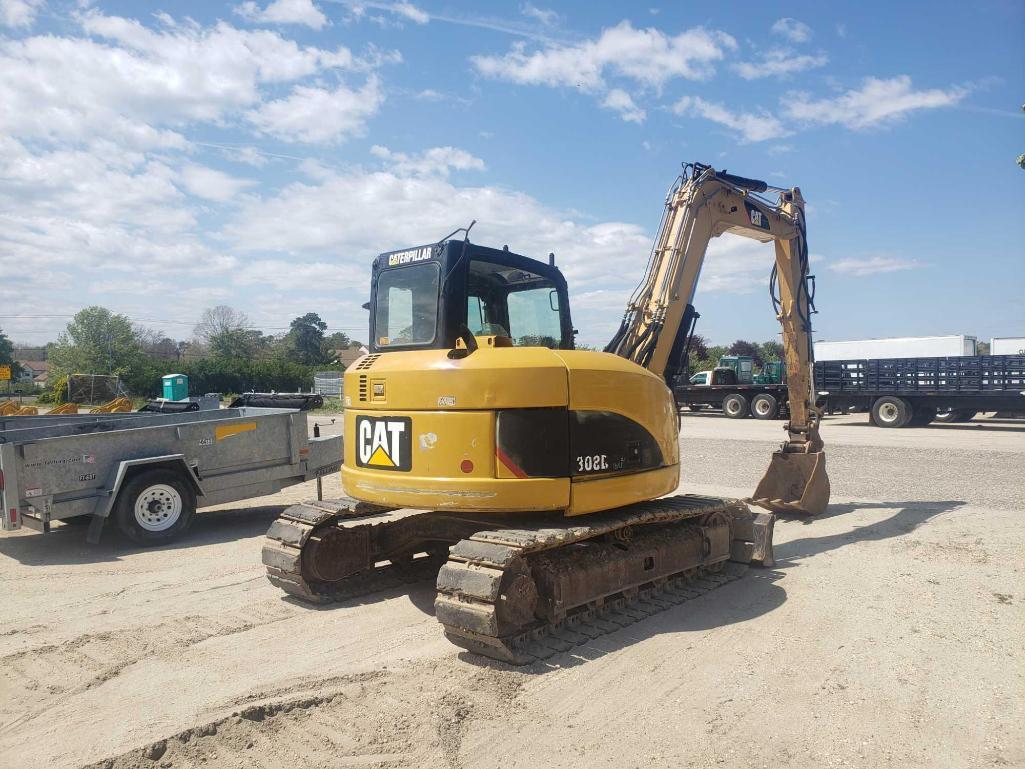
155,506
764,406
890,411
956,415
735,406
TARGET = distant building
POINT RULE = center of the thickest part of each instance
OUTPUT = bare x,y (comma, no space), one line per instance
348,356
34,372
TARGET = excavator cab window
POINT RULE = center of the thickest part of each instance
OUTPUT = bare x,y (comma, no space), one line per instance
423,297
517,303
407,306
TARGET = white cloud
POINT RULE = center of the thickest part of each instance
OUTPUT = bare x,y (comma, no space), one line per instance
779,63
434,161
750,126
649,57
546,16
284,12
411,12
311,114
330,242
19,13
873,265
620,101
793,30
139,84
876,102
212,184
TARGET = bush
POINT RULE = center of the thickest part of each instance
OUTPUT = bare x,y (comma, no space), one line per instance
220,375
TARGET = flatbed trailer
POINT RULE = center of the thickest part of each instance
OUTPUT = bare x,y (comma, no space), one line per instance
150,472
896,392
737,401
900,392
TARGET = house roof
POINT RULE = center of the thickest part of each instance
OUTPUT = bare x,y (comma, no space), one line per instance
36,365
349,356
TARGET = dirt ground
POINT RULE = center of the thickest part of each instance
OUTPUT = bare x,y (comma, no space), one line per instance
889,634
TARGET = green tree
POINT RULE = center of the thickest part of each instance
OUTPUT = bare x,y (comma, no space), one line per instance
96,341
7,355
339,340
236,343
305,340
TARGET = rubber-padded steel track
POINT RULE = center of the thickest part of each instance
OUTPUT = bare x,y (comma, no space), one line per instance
290,533
521,594
491,593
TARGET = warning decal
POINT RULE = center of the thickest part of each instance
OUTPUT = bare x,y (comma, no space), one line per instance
384,443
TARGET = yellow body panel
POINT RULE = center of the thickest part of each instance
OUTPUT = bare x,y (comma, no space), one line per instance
590,495
604,382
452,404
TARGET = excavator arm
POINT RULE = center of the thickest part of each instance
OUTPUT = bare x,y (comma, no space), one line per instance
656,328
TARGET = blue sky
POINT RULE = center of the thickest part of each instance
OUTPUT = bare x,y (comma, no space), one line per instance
163,158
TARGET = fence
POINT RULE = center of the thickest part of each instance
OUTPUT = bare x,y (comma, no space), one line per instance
328,383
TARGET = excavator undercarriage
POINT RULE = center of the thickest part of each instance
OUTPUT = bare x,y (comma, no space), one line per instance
522,593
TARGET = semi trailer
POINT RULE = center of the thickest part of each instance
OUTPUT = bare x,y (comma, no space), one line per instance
950,346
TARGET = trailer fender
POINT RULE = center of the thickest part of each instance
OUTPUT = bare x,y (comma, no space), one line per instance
170,461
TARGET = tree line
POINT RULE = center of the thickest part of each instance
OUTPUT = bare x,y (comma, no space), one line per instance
225,354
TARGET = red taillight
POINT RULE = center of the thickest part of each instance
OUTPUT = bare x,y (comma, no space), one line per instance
14,516
466,466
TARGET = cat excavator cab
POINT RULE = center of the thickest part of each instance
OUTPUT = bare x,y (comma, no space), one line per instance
531,477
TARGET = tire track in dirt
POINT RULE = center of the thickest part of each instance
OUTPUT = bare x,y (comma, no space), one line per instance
413,717
92,659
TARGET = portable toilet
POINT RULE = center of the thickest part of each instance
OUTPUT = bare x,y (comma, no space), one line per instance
176,387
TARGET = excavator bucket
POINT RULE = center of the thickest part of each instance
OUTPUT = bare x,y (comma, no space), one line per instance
794,483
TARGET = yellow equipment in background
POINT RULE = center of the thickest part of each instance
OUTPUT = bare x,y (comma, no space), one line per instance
479,441
64,408
116,406
8,408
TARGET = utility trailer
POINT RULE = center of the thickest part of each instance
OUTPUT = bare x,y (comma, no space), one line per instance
150,472
900,392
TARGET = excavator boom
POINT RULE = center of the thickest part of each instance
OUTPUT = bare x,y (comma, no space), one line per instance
702,204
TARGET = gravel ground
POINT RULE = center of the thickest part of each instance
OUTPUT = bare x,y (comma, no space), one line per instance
889,634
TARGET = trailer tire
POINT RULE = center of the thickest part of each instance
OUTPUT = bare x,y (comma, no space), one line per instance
956,415
735,406
155,506
764,406
890,411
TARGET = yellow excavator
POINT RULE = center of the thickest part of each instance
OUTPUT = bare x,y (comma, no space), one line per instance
532,477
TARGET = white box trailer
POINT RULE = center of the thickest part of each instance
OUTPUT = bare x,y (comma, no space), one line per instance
1007,345
952,346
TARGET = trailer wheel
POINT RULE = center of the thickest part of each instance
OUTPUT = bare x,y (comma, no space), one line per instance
735,406
155,506
956,415
890,411
764,406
